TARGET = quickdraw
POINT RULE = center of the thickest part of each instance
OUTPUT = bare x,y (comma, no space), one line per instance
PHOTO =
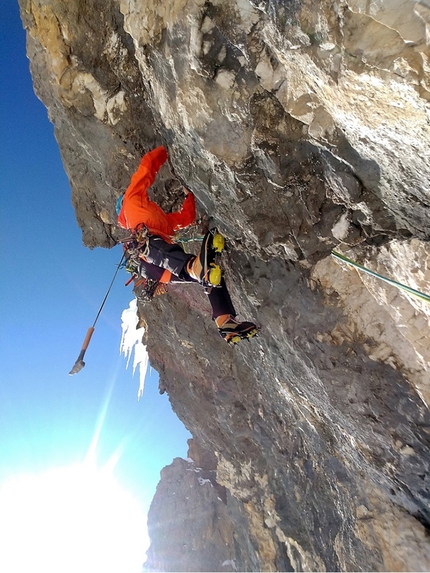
138,240
146,289
136,248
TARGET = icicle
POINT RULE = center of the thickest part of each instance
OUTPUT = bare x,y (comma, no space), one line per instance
132,340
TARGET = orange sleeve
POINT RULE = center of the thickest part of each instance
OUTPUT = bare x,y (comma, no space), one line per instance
145,174
186,215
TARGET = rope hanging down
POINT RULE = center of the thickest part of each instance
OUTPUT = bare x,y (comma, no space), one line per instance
407,289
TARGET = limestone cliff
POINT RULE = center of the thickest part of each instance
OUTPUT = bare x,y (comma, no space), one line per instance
190,526
300,126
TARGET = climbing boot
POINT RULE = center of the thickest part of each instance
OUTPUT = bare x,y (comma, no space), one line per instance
203,267
234,331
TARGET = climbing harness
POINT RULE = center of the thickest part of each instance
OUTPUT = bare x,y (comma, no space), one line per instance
136,248
138,241
398,285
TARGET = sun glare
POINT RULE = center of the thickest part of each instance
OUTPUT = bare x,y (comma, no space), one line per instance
66,520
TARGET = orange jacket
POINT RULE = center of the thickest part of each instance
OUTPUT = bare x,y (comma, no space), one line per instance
138,208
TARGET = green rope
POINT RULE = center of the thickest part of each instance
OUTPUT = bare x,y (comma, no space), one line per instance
407,289
185,240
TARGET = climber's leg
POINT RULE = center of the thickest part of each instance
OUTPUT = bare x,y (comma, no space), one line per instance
203,267
224,314
167,256
220,301
234,331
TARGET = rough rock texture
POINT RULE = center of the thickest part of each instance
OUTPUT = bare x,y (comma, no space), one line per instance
300,126
189,526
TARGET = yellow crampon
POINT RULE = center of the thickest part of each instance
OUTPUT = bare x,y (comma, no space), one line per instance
214,276
218,243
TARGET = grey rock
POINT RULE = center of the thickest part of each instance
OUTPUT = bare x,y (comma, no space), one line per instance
300,127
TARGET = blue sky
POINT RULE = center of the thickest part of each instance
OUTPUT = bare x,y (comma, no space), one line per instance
50,291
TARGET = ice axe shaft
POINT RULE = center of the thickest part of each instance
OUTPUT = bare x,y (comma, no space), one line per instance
79,364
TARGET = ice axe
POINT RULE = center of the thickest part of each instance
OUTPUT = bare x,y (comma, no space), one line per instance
79,364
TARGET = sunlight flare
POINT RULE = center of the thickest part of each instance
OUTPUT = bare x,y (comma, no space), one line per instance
70,519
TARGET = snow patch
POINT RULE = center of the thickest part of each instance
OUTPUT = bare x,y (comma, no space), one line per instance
340,229
132,340
204,481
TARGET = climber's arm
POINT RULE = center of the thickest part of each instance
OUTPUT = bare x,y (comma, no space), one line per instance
145,175
186,215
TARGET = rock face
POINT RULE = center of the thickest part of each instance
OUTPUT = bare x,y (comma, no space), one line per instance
300,127
189,523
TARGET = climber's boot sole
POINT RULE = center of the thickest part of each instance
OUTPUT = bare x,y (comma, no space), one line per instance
236,338
242,331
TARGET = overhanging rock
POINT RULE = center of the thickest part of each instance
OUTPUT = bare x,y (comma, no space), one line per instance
300,127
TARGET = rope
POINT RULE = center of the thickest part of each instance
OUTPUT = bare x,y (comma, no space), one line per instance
181,238
178,239
398,285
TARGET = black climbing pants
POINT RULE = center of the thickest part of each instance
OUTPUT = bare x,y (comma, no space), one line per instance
162,255
167,256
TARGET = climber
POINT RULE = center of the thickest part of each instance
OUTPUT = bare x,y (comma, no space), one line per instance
163,261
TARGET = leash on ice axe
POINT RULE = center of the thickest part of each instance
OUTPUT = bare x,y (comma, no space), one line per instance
79,364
